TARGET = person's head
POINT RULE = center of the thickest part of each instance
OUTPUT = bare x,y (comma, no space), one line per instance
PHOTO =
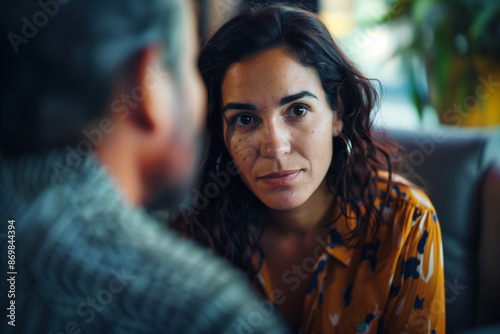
283,98
116,77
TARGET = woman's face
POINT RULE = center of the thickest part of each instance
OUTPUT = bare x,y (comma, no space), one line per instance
278,127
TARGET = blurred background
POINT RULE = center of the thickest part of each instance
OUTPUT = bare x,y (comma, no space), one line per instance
436,60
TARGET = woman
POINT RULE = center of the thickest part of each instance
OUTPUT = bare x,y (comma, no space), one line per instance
315,214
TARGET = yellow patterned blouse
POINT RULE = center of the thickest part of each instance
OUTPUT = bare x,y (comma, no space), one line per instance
393,283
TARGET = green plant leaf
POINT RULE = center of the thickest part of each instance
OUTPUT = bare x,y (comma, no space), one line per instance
414,93
421,9
397,9
481,21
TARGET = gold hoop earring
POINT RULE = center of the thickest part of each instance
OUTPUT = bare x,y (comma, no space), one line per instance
348,146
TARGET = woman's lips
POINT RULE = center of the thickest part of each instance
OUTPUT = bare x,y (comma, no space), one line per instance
281,179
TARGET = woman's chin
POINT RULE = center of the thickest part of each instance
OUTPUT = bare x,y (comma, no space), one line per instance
278,203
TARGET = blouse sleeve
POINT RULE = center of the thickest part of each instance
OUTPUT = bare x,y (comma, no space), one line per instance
416,301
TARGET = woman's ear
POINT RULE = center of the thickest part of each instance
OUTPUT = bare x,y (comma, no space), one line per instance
337,114
337,124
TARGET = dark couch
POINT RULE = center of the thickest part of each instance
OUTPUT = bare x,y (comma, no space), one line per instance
462,170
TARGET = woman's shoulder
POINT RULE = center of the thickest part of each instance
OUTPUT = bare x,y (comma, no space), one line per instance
402,191
408,211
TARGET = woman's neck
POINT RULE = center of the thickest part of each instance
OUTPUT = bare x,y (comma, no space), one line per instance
314,214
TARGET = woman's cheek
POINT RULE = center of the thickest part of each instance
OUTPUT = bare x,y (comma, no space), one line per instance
321,148
240,153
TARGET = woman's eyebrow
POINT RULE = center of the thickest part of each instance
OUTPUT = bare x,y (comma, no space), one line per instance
293,97
239,106
283,101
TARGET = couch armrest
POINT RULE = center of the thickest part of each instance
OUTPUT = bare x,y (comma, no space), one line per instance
484,330
489,249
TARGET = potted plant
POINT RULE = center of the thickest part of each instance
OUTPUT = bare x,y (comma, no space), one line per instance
457,44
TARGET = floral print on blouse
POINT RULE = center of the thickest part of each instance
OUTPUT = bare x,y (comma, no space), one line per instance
392,283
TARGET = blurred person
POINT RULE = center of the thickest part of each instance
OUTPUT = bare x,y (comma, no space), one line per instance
316,216
101,107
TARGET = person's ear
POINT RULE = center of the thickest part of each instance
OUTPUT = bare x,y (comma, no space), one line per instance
337,124
155,92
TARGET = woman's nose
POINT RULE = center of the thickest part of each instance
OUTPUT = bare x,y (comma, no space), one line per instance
275,141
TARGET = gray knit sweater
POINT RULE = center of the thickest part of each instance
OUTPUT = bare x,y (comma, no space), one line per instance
86,262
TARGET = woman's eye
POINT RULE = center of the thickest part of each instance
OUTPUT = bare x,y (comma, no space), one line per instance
243,120
298,110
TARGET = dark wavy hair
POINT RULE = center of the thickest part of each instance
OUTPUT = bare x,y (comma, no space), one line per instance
229,223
